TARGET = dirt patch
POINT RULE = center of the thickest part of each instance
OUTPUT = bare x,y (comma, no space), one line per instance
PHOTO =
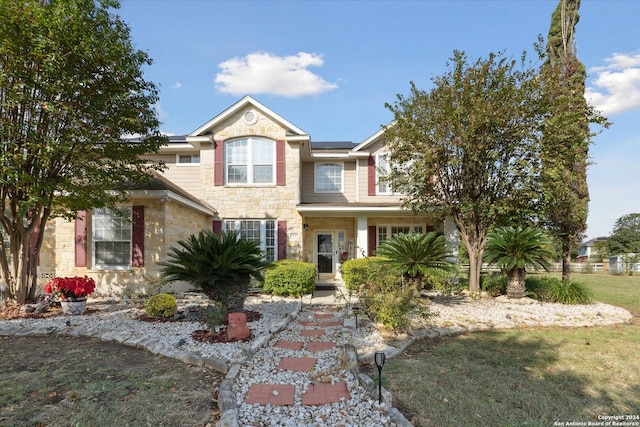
54,381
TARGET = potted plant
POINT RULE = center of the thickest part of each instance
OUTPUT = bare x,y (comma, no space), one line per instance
72,291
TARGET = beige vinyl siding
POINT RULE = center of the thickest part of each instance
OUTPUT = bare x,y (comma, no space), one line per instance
349,183
188,177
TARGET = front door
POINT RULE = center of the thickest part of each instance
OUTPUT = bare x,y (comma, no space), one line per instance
325,254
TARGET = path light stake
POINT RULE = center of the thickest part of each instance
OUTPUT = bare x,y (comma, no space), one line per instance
380,358
355,310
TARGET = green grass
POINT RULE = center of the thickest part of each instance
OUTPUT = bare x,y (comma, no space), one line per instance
530,377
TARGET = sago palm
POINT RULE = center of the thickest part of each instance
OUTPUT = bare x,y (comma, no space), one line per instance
514,249
221,265
413,254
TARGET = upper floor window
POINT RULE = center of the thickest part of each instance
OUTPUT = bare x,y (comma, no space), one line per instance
188,159
329,178
111,238
250,161
383,169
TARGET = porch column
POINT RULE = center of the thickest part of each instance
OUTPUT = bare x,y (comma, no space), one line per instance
451,236
362,243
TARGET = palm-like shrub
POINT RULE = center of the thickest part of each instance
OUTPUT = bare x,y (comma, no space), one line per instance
414,254
514,249
221,265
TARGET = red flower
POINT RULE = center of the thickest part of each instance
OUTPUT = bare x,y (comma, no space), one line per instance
70,287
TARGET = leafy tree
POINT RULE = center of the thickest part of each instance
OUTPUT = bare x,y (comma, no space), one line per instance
469,145
626,235
566,134
71,85
514,249
414,254
221,265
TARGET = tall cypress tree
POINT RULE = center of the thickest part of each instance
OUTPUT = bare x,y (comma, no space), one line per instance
566,134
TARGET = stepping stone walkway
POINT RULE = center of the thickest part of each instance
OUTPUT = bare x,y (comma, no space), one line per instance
300,377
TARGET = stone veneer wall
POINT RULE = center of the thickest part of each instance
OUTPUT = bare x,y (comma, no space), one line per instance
165,224
257,201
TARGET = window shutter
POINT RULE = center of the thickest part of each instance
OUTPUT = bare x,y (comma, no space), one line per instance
282,239
218,163
371,239
371,175
80,239
217,226
137,236
280,163
430,228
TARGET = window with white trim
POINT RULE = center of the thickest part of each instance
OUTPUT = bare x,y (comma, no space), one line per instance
383,169
261,231
111,238
329,178
188,159
250,161
387,231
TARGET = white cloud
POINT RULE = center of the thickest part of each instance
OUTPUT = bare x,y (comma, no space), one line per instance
177,85
616,85
262,72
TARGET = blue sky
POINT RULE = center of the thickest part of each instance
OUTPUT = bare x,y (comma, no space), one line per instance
329,67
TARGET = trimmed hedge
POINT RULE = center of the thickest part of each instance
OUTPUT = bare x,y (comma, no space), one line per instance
290,278
355,272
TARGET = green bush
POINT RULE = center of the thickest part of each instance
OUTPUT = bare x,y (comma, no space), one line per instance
549,289
441,280
161,306
211,315
355,272
494,284
386,301
290,278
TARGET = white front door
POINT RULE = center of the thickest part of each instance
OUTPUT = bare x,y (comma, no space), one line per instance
325,253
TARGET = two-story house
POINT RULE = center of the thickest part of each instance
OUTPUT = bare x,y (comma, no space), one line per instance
247,169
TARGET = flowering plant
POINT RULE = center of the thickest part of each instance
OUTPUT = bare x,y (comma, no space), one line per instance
70,287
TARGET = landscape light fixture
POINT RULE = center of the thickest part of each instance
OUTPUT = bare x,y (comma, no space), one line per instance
380,358
355,309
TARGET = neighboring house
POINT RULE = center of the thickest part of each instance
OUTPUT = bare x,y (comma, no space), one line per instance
587,249
247,169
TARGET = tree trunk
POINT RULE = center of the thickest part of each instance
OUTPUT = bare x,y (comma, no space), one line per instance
475,248
566,258
516,283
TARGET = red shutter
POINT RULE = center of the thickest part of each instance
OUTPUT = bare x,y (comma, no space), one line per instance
217,226
371,175
280,163
80,239
282,239
371,239
137,236
218,163
430,228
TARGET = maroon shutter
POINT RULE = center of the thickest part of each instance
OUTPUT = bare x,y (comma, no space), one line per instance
218,163
430,228
80,239
372,237
282,239
371,175
280,163
217,226
137,236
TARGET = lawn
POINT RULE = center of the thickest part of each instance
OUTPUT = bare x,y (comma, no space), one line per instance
533,377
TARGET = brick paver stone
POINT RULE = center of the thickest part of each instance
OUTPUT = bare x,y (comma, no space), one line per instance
320,345
309,323
289,345
270,394
297,364
329,324
322,394
323,316
311,332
